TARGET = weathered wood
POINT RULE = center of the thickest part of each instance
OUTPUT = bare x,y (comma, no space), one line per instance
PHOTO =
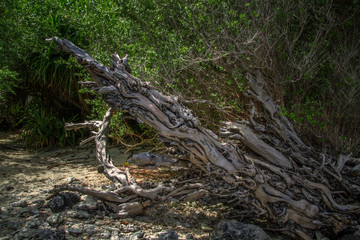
164,113
243,133
277,174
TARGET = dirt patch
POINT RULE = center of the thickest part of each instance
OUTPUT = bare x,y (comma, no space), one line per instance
30,174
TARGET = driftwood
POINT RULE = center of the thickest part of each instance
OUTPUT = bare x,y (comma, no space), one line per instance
275,175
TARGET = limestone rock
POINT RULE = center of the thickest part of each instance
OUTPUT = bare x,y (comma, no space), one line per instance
20,204
14,225
79,214
26,233
105,235
88,204
90,229
55,219
234,230
76,229
171,235
57,234
63,200
33,224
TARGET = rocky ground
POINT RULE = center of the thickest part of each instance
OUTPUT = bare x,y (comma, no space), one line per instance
27,212
27,176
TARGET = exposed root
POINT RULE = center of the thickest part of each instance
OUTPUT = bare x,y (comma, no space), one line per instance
125,210
276,174
107,196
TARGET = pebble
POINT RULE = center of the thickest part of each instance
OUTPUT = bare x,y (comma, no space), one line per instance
89,203
76,229
170,235
55,219
47,233
105,235
26,211
14,225
19,204
78,223
33,224
25,233
99,222
79,214
137,235
90,229
112,229
70,180
189,237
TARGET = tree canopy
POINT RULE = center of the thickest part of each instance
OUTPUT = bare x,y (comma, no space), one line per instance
308,51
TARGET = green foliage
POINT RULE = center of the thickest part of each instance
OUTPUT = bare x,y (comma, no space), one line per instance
122,129
41,128
307,50
308,113
8,82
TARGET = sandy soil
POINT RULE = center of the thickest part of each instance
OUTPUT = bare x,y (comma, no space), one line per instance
30,174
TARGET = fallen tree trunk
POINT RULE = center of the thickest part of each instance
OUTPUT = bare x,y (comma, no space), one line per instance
275,175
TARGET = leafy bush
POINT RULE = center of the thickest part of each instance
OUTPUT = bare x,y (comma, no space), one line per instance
308,52
123,128
40,128
8,81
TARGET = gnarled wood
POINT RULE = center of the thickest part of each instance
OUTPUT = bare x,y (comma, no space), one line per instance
277,175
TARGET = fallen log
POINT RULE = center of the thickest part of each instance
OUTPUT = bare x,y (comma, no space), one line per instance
274,175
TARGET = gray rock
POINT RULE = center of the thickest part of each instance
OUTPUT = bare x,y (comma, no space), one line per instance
20,204
170,235
33,224
49,234
88,204
129,228
76,229
70,180
233,230
79,214
105,235
137,235
99,222
111,229
189,236
55,219
187,225
90,229
26,210
14,225
63,200
26,233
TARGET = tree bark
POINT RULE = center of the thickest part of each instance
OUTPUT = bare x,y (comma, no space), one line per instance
276,175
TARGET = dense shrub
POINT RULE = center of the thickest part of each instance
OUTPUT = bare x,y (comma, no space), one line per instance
308,52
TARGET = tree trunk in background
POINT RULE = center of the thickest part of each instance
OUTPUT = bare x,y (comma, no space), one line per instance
274,174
